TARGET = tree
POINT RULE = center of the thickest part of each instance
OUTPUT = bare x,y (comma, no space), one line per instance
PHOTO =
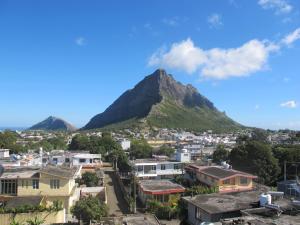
80,142
90,208
288,153
140,149
90,179
58,143
35,221
220,154
166,150
256,158
8,139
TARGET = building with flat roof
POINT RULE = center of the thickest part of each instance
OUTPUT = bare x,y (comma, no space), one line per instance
156,169
159,190
226,179
50,182
214,207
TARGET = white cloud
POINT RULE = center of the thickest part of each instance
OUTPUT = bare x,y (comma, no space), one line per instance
289,104
280,6
220,63
215,63
80,41
291,37
215,20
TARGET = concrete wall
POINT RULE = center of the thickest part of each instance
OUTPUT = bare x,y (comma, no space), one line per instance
55,217
66,186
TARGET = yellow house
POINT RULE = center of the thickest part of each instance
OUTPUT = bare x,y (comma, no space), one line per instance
50,182
227,180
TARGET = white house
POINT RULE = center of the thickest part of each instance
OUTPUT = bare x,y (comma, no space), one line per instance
86,160
153,168
4,153
125,144
183,155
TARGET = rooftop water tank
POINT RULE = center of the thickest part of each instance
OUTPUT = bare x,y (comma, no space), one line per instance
265,199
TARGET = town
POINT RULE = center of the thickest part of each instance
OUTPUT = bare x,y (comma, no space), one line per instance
153,112
165,176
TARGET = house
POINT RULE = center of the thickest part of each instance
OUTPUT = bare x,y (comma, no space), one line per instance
99,192
86,160
214,207
125,144
159,190
183,155
156,169
226,179
50,182
4,153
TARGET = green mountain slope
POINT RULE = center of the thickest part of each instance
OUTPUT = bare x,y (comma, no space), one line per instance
160,101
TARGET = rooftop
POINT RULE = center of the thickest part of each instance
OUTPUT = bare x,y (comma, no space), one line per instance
145,219
21,201
153,161
160,187
219,203
220,172
28,172
19,172
60,171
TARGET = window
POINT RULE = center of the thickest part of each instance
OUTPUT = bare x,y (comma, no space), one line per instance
140,168
226,181
243,180
82,160
186,154
163,167
35,184
197,213
67,160
54,184
176,166
153,167
9,187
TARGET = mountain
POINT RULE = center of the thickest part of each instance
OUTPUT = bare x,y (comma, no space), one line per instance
53,124
160,101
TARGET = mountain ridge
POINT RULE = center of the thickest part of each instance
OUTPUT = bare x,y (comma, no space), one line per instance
53,123
152,99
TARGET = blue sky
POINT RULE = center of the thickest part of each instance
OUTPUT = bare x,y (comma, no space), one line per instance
72,59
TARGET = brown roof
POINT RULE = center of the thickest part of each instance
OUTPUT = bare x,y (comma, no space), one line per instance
222,173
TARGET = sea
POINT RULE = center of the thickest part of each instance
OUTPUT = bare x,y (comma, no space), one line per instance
13,128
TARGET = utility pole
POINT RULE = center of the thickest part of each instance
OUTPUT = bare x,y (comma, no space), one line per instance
134,194
284,170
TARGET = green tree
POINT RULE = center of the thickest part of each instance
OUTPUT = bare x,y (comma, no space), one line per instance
256,158
90,208
35,221
58,143
288,153
220,154
8,139
166,150
80,142
140,149
90,179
